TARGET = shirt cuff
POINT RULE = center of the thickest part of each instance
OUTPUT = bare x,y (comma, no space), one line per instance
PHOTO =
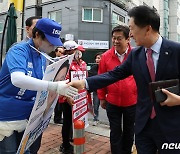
86,85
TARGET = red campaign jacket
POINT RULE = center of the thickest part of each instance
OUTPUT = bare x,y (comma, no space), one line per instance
75,66
122,93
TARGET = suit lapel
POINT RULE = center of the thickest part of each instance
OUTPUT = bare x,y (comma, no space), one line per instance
164,57
143,65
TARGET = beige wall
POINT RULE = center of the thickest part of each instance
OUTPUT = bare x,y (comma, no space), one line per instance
4,6
45,1
30,2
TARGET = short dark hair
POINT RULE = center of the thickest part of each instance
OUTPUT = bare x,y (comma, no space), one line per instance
121,28
39,32
29,21
145,15
98,54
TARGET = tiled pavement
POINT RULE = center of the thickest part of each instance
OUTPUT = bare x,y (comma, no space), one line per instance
95,144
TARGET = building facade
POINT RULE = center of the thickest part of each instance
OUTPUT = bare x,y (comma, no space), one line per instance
89,22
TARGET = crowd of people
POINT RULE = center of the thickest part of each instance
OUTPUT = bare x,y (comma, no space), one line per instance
119,82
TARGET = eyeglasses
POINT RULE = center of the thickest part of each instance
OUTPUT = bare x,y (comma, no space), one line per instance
119,38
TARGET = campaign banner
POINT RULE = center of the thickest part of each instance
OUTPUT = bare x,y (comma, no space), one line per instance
80,106
44,104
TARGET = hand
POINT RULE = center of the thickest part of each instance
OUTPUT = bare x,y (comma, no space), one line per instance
66,90
70,101
103,103
172,99
79,84
62,88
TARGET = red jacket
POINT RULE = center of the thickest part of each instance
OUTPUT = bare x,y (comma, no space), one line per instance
122,93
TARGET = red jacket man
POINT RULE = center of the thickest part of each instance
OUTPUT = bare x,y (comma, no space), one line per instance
123,92
119,99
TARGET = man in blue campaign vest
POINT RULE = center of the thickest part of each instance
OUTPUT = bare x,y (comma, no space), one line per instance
20,79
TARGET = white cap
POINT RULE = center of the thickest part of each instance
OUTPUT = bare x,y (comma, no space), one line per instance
70,45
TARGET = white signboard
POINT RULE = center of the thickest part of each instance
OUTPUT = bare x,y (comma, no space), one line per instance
69,37
94,44
44,104
78,75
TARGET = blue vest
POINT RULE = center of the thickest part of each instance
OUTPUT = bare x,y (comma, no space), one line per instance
17,103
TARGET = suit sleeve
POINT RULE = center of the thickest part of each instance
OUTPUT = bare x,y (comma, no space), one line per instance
102,69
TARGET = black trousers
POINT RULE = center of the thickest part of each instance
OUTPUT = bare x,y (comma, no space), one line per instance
36,145
58,111
67,124
121,120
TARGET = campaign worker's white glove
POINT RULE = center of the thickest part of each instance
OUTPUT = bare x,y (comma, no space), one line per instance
62,88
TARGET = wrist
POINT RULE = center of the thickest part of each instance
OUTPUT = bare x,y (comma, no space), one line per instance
52,86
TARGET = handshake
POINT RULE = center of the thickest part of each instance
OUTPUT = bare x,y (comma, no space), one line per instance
62,88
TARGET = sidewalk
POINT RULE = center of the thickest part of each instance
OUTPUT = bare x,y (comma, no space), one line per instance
97,140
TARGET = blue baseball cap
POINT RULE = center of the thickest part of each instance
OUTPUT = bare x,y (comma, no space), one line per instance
51,30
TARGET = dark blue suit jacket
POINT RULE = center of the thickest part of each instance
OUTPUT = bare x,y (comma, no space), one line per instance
168,67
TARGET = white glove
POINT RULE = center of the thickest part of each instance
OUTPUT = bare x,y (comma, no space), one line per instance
62,88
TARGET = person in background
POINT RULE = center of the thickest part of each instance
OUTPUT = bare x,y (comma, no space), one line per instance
119,99
96,101
30,24
58,110
77,65
59,51
20,79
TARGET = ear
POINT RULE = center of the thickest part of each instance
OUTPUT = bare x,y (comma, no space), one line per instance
128,39
27,29
149,28
37,35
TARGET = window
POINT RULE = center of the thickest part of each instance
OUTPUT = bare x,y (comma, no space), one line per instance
178,22
56,16
178,38
178,6
117,19
1,27
166,5
92,15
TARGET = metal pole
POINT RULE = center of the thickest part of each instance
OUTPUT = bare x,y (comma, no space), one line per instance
2,41
22,29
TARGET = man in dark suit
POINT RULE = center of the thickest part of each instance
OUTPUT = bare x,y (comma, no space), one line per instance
155,125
